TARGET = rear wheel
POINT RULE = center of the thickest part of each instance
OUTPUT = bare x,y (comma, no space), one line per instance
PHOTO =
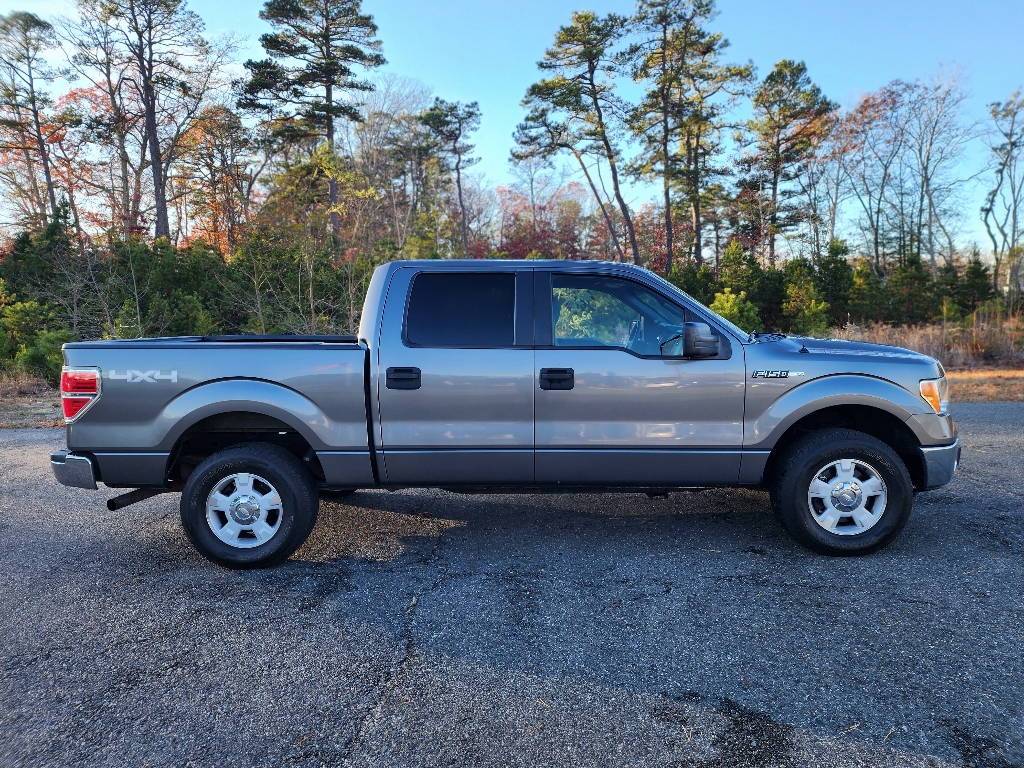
249,506
841,492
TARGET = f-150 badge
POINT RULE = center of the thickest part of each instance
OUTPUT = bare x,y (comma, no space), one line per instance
134,377
776,374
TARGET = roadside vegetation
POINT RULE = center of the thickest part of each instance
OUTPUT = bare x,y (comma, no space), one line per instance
159,186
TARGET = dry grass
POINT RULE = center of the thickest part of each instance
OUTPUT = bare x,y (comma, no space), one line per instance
27,402
992,340
983,355
20,384
986,386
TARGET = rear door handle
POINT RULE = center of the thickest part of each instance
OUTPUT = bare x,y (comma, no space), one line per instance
402,378
557,378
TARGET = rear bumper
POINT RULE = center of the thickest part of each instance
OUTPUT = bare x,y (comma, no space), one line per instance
939,464
72,470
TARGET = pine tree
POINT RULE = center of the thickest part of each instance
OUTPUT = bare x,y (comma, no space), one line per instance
790,116
911,292
582,63
24,41
311,75
869,300
739,269
834,279
735,308
976,285
450,124
697,281
804,310
680,115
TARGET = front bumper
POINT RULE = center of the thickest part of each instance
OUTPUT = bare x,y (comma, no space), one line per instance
72,470
939,464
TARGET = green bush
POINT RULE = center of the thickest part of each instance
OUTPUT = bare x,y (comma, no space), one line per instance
736,309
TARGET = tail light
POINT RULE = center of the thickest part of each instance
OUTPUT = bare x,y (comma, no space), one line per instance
79,388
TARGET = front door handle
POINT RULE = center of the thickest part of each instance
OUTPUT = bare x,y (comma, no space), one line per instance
402,378
557,378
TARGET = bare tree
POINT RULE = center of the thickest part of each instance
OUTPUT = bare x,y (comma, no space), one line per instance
1003,211
173,70
936,138
875,137
116,125
389,147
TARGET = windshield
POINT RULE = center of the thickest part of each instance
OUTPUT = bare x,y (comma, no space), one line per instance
739,332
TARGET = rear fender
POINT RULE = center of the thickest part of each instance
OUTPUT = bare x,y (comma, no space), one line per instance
234,396
254,396
762,431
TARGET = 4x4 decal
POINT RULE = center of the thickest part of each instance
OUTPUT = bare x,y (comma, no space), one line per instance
152,377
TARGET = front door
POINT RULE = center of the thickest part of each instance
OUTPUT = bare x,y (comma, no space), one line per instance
456,378
611,409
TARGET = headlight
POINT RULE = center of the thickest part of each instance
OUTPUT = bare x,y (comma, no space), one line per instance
936,394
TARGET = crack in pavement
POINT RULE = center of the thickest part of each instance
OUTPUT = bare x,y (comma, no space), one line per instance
400,669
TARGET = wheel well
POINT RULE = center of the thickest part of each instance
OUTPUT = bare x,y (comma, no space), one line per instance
215,433
863,418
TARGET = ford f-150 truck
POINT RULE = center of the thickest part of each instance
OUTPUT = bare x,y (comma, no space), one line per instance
511,376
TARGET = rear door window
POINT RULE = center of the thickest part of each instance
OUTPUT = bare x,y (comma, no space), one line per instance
462,309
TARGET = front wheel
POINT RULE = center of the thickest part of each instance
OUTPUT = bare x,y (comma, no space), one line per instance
842,492
249,506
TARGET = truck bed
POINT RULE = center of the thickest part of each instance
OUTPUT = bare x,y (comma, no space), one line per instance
156,392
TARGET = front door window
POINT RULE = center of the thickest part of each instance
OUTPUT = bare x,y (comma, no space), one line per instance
609,312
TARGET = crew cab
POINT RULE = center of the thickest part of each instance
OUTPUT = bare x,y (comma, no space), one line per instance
512,376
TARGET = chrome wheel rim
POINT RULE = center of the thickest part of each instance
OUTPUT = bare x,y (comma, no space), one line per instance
244,510
847,497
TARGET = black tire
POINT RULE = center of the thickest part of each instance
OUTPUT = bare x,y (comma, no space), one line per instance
800,465
282,471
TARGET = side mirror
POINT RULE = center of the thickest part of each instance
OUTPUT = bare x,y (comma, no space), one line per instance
699,340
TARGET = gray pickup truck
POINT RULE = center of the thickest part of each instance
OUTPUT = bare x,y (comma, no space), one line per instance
511,376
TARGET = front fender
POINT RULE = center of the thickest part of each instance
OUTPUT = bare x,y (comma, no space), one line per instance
762,430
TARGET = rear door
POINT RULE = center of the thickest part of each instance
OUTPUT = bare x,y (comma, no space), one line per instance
456,377
611,409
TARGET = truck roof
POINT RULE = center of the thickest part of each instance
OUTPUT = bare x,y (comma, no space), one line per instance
562,264
234,339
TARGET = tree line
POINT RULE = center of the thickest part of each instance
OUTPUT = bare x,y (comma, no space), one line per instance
160,192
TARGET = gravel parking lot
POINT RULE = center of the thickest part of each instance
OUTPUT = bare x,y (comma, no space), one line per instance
429,628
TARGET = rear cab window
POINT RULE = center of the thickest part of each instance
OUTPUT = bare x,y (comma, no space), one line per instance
474,310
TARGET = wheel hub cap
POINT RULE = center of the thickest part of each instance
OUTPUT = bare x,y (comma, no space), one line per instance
846,496
244,509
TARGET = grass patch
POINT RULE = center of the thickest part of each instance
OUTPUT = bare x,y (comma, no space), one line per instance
986,386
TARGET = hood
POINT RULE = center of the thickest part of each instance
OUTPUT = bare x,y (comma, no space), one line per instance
829,357
863,348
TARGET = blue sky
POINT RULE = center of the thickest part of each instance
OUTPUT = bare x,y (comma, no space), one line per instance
486,50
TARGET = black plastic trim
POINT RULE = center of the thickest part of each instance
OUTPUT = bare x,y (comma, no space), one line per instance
368,399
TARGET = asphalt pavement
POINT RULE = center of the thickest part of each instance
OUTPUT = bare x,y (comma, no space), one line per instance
425,628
